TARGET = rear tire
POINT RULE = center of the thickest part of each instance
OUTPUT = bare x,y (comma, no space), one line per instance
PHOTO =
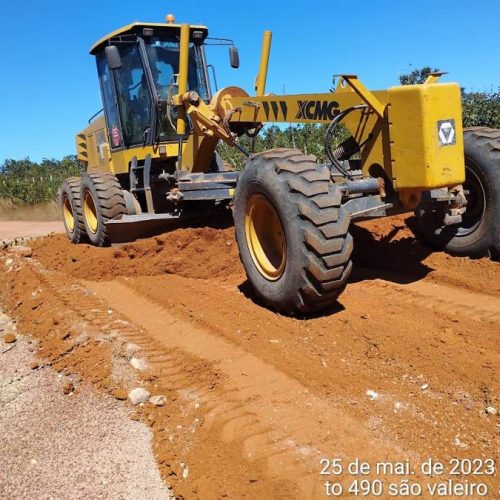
292,231
102,200
71,208
479,231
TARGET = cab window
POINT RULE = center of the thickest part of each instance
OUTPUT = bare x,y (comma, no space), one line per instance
163,55
109,103
164,60
134,99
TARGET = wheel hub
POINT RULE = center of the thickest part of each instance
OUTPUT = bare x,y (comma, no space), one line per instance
68,215
90,212
265,237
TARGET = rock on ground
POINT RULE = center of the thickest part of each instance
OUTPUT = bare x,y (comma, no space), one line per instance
138,395
159,400
139,364
9,338
22,250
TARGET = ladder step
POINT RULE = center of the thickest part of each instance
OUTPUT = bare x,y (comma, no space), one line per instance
135,180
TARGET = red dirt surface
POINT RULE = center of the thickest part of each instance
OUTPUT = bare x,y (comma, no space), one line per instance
255,399
199,253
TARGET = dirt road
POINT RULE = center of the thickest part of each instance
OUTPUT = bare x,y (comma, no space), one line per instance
403,368
10,230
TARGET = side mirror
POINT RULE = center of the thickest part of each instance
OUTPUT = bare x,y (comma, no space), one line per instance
234,57
113,57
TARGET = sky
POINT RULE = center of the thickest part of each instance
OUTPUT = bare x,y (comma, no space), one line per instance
48,82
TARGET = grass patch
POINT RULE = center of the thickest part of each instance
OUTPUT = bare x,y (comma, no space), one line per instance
10,211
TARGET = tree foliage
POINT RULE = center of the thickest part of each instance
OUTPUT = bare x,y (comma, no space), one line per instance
481,109
28,182
309,138
417,76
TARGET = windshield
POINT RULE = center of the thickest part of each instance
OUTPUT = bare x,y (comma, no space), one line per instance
164,60
163,55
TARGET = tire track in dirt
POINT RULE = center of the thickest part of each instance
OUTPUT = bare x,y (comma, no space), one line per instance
290,438
440,297
59,304
273,417
378,342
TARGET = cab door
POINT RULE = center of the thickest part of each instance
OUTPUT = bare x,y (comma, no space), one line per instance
127,100
110,104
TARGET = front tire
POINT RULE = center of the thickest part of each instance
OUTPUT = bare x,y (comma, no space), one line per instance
479,231
292,232
102,200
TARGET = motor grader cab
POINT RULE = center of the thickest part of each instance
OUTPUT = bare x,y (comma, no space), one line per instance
152,156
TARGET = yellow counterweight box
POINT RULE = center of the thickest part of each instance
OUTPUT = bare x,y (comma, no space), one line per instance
426,136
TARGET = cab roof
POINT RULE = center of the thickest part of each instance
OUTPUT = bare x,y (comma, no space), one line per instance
137,29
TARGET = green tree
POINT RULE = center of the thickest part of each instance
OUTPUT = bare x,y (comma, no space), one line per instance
481,109
28,182
417,76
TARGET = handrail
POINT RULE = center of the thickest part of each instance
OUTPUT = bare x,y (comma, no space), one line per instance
96,114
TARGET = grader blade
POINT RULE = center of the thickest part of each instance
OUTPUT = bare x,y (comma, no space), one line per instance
133,227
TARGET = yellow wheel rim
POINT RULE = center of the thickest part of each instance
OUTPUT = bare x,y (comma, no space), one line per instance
90,212
69,218
265,237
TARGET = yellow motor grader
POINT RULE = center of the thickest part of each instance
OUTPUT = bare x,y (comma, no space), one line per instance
151,156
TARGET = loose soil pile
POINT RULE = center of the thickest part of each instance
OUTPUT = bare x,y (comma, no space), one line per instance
199,253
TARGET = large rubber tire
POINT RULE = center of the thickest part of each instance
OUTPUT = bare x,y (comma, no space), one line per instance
102,200
479,232
312,269
71,209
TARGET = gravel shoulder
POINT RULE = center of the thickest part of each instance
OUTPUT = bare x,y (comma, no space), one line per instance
77,445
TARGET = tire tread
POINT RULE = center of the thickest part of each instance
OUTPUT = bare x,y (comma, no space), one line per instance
110,200
324,224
